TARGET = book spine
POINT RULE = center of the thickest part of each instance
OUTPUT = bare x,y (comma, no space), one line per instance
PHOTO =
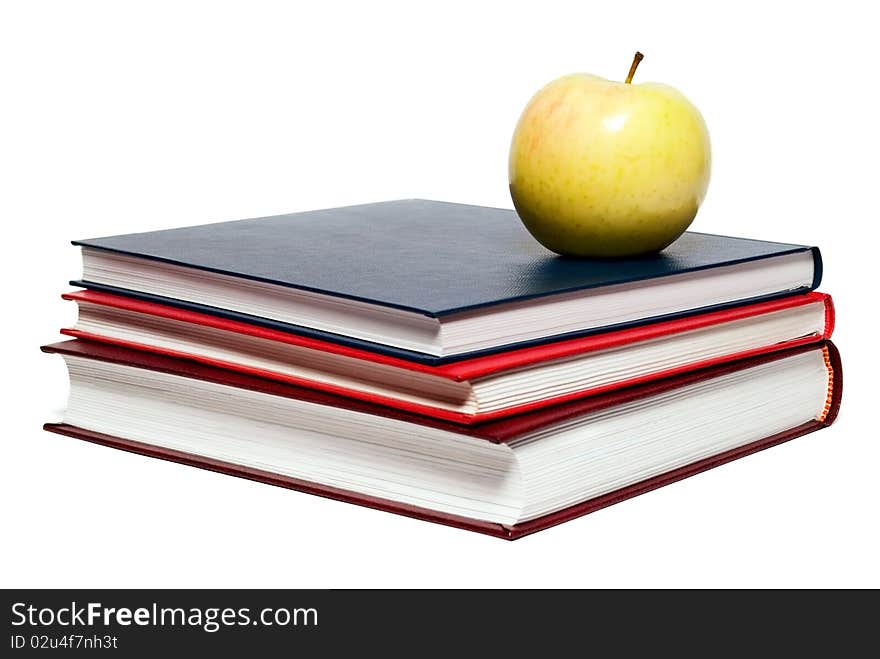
835,383
817,268
830,317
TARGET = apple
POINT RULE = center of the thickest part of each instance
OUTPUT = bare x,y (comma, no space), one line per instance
600,168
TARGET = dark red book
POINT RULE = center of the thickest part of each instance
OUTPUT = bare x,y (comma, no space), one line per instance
470,390
508,477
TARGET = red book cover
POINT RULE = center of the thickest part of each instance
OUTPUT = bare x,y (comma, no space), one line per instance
466,369
501,430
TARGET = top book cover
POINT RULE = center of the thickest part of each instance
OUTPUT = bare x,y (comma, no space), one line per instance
432,281
430,257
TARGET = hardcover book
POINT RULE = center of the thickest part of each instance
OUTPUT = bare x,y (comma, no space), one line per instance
430,281
468,390
507,477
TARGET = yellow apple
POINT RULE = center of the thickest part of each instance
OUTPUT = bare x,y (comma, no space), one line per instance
608,169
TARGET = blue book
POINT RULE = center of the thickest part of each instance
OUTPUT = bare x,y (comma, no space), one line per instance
432,281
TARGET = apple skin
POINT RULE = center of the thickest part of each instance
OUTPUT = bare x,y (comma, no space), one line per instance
608,169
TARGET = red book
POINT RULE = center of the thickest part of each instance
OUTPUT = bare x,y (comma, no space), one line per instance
471,390
508,477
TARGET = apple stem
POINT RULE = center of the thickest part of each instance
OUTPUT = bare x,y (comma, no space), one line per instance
632,69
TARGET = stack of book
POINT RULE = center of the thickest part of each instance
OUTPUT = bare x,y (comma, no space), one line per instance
431,359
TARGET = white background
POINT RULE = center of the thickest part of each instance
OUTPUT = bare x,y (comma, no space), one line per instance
120,117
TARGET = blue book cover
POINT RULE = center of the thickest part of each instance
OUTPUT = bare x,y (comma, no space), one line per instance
432,258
